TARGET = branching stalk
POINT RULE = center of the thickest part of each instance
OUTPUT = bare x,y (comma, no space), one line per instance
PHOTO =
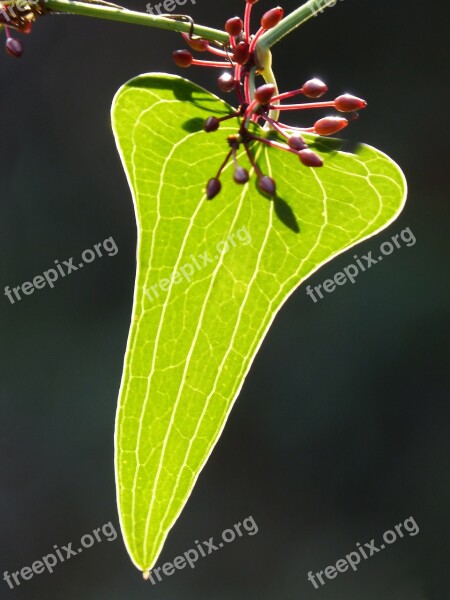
183,24
90,9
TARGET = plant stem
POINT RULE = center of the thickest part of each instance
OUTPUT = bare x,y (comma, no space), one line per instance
264,59
170,22
88,9
292,21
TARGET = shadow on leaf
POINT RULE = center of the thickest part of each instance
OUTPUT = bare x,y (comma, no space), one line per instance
285,213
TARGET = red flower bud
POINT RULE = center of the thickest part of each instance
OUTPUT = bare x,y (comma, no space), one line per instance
267,185
26,28
213,188
226,82
14,47
234,26
330,125
310,158
272,17
241,175
314,88
182,58
296,142
196,43
264,93
349,103
211,124
241,53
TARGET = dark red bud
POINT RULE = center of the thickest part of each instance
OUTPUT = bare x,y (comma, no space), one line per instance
234,26
264,93
241,53
267,185
241,175
330,125
310,158
251,1
226,82
14,47
272,17
26,28
349,103
314,88
196,43
296,142
211,124
182,58
213,188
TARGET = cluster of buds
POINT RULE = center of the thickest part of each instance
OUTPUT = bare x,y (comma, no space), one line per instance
263,104
17,15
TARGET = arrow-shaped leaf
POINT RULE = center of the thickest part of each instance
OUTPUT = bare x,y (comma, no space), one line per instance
211,277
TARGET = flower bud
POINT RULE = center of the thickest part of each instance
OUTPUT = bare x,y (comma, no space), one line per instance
349,103
272,17
196,43
213,188
14,47
234,26
226,82
241,53
264,93
296,142
267,185
241,175
182,58
314,88
211,124
330,125
310,158
26,28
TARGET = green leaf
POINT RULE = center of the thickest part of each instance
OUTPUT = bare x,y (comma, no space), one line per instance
194,336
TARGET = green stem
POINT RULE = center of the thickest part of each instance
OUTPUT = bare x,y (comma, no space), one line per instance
293,20
252,82
264,60
137,18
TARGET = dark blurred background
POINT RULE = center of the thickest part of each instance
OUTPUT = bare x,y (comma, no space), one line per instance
341,430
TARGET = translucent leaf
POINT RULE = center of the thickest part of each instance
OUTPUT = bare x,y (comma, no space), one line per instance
211,277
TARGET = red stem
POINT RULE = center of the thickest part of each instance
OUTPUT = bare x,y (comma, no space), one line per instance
275,125
219,172
247,88
287,95
211,63
252,161
216,51
248,12
272,143
237,79
330,104
255,39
